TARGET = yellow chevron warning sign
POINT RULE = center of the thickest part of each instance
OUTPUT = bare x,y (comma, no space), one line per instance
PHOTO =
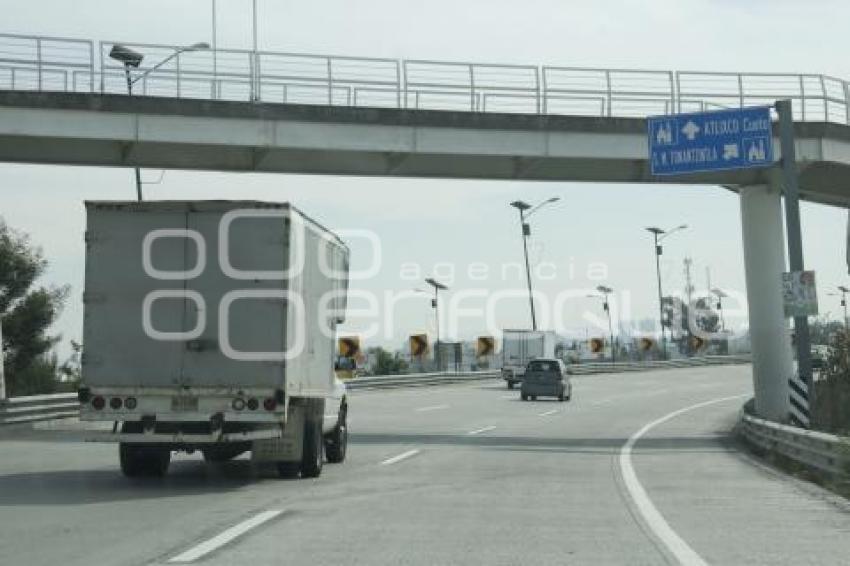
349,346
597,345
486,346
418,345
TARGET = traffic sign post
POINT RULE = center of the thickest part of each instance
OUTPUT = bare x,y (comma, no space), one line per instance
740,138
801,395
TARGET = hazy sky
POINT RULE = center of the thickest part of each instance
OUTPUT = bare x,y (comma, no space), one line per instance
433,222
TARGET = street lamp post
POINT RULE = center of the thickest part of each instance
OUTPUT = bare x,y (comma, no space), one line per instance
844,290
658,236
522,207
435,302
131,60
606,306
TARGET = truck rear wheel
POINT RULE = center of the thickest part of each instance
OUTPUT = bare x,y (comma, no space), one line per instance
142,459
139,460
510,384
313,456
336,443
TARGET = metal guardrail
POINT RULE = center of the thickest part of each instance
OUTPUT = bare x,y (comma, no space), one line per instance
825,453
73,65
419,379
61,405
602,367
38,407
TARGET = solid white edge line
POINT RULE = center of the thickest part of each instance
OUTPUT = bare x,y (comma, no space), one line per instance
204,548
686,555
400,457
480,430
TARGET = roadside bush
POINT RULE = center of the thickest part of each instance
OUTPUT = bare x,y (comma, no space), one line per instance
831,407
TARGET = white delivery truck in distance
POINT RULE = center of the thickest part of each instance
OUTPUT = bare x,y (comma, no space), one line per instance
520,347
210,326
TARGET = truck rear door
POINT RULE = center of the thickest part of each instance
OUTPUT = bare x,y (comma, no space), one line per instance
244,337
133,301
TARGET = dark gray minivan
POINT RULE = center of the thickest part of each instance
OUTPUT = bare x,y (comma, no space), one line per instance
546,378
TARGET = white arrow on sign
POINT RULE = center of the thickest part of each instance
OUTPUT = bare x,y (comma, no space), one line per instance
690,130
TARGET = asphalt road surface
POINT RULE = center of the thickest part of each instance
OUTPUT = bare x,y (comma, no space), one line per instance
638,468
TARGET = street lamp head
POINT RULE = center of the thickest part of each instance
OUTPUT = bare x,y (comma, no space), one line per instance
126,55
435,284
719,293
654,230
604,290
521,205
197,46
554,199
843,289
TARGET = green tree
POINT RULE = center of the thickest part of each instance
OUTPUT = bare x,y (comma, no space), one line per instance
26,312
387,363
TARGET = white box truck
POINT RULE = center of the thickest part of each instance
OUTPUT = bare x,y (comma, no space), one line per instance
210,326
520,347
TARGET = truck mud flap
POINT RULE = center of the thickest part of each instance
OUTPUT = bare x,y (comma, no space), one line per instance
289,446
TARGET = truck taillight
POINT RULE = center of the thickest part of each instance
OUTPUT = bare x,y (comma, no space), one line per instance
98,403
130,403
238,404
253,404
115,403
270,404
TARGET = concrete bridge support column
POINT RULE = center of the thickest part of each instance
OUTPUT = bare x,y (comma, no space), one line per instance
764,259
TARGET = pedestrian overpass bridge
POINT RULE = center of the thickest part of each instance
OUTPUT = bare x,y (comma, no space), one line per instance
64,101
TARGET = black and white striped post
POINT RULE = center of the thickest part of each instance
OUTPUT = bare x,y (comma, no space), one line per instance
799,413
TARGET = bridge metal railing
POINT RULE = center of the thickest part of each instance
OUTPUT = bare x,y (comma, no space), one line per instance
74,65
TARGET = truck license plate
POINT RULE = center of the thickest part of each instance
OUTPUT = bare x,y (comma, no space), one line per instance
184,404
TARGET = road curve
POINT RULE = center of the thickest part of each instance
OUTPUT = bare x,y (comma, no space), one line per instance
460,474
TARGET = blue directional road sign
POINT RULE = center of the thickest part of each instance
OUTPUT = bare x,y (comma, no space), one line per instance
710,141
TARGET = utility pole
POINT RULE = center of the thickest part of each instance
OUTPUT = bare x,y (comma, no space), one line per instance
2,375
844,290
689,284
214,51
256,63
